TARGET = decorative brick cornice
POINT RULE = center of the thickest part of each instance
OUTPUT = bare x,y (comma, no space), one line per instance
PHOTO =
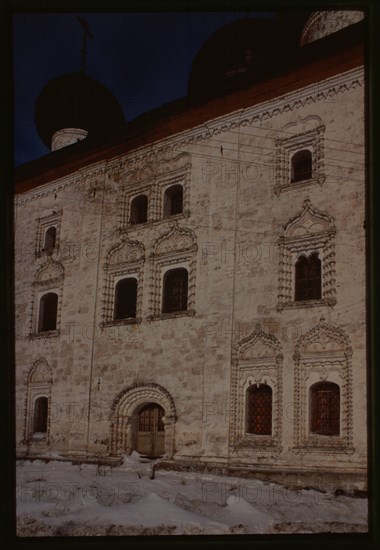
84,176
292,101
320,91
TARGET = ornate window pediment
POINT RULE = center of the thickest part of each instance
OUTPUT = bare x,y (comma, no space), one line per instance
309,235
51,272
126,252
175,240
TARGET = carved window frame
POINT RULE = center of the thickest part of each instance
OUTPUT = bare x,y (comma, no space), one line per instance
181,177
44,286
117,270
127,196
53,220
313,141
293,244
169,253
323,366
36,388
248,371
151,179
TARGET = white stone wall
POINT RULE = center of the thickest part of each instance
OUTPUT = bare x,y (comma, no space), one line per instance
236,218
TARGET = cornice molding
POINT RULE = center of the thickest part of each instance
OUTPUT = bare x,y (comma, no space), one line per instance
162,150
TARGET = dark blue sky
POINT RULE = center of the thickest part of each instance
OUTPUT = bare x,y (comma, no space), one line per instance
143,58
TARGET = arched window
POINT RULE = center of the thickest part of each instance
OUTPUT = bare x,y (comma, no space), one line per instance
325,408
175,290
125,299
40,415
308,278
301,166
139,210
47,316
259,410
173,199
50,236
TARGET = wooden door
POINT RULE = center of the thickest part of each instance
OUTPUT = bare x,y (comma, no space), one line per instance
151,432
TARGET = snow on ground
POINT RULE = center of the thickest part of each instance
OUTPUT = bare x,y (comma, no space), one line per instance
61,499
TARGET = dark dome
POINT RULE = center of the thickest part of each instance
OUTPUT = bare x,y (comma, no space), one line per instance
76,100
233,50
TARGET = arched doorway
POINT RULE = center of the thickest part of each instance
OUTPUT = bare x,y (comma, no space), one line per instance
149,406
150,437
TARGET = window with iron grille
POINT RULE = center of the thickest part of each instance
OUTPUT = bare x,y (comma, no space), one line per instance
325,408
40,417
175,286
173,200
139,210
308,278
47,316
259,410
301,166
125,299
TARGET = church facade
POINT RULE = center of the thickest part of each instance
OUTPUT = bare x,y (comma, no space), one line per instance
194,288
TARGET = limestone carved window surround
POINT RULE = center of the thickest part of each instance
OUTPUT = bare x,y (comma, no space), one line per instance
49,278
38,384
44,224
309,232
181,178
128,197
323,354
151,177
257,359
312,141
174,249
125,259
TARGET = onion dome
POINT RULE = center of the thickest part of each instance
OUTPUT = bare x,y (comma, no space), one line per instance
73,106
323,23
235,49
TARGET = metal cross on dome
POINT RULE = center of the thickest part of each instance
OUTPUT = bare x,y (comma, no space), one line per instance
86,32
